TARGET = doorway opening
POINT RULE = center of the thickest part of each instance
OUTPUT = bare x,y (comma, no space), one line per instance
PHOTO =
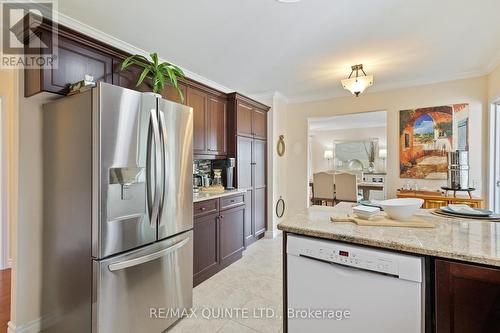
351,150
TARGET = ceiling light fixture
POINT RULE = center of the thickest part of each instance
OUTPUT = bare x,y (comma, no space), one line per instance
358,84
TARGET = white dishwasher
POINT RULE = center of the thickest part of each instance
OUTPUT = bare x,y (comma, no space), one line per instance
341,288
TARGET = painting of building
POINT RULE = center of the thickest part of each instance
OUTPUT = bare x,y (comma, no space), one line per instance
426,137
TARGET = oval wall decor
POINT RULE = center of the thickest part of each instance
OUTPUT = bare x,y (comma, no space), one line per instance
280,207
280,147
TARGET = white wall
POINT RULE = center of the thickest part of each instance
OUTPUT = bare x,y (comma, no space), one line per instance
322,140
276,166
472,91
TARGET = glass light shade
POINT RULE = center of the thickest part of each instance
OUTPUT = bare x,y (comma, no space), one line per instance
328,154
382,153
358,84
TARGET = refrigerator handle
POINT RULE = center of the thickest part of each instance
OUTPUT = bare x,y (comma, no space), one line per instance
154,203
163,127
147,258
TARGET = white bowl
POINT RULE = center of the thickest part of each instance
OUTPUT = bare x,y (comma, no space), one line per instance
401,209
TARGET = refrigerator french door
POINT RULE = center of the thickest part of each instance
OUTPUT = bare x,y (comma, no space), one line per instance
117,211
143,147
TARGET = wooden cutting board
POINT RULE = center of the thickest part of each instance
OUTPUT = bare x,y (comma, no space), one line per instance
383,220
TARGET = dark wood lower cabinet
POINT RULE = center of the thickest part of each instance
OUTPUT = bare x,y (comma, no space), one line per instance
206,249
467,298
231,233
218,236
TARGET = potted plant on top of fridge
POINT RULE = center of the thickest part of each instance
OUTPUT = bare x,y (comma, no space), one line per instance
160,73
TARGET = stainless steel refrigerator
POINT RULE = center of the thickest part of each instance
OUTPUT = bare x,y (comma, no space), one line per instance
118,212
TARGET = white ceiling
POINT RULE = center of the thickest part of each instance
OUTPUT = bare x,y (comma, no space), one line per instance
304,49
348,121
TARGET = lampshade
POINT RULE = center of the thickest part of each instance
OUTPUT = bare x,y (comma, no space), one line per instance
357,85
328,154
382,153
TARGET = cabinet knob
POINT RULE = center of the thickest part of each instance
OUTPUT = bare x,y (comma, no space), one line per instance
222,216
202,208
232,200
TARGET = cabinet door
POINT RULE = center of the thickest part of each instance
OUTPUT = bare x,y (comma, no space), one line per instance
244,162
244,118
231,232
260,124
249,226
467,298
216,130
259,185
127,78
172,94
74,61
259,211
206,250
198,101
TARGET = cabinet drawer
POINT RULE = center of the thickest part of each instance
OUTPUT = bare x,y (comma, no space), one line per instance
206,207
232,201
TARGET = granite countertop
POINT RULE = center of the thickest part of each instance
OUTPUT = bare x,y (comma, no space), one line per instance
461,239
202,196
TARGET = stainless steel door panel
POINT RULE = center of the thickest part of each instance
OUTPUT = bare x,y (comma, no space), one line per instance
124,127
176,206
129,288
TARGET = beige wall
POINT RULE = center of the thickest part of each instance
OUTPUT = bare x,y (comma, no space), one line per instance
494,85
323,140
472,91
276,165
28,260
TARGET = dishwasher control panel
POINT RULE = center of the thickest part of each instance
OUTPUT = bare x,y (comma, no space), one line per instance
348,256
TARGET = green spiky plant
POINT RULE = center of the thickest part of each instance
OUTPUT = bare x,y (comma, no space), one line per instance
160,73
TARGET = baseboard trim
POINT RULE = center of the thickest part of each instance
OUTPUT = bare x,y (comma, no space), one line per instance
272,234
34,326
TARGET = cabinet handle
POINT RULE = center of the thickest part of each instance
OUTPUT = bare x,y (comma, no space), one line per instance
232,200
202,208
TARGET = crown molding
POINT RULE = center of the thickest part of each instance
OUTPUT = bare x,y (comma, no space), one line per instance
125,46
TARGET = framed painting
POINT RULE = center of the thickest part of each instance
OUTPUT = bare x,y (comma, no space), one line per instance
426,135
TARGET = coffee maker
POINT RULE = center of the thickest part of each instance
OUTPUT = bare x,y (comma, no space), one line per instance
227,167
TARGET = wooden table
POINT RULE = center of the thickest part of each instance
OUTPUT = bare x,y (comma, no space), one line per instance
436,200
368,186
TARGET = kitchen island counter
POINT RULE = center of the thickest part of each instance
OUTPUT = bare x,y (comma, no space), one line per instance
468,240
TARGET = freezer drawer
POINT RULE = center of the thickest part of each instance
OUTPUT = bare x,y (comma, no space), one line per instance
129,288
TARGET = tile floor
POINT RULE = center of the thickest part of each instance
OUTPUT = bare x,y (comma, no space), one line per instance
238,298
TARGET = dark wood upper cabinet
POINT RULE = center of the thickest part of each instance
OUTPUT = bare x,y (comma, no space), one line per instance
127,78
244,115
467,298
259,124
74,62
198,100
209,124
216,129
172,94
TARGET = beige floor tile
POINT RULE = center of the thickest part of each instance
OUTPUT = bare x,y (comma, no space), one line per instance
253,283
234,327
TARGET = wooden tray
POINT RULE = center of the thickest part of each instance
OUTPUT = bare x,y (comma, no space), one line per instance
382,220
